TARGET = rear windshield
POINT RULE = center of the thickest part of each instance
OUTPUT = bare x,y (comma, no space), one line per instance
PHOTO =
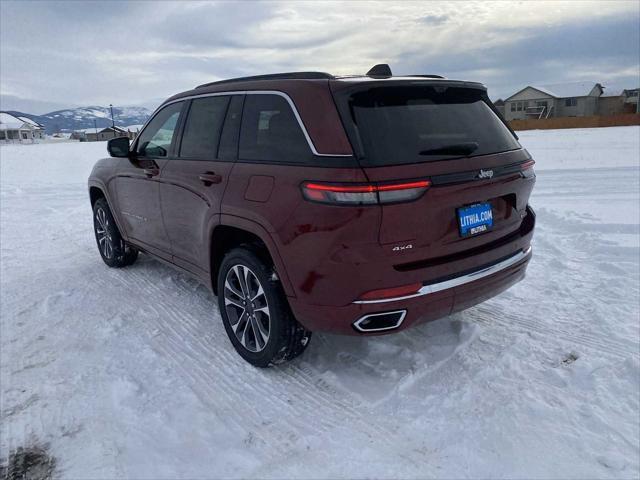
398,124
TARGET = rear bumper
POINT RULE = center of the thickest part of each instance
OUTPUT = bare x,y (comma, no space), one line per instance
458,280
435,300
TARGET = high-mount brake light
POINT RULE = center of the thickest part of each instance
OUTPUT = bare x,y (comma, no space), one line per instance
367,194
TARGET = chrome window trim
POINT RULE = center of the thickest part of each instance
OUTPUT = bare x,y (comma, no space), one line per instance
457,281
252,92
356,324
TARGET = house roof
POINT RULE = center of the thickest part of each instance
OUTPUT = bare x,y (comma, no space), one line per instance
100,129
30,122
563,90
90,130
616,91
9,122
134,128
613,92
573,89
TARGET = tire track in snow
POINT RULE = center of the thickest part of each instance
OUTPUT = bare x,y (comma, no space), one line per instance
203,372
486,314
321,399
317,399
578,271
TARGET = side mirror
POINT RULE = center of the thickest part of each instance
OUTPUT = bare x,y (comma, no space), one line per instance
118,147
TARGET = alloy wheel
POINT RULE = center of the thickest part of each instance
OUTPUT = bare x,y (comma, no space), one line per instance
247,308
105,241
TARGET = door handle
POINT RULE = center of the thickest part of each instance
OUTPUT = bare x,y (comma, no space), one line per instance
209,178
151,172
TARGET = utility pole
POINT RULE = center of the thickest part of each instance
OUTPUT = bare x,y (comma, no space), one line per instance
113,123
95,125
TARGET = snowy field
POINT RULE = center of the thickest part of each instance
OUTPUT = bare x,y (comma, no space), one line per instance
129,373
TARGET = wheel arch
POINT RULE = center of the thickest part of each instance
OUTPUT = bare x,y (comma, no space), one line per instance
234,231
98,190
96,193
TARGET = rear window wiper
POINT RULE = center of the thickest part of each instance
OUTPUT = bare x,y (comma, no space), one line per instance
455,149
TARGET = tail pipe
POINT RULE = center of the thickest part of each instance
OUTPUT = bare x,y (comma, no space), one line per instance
380,322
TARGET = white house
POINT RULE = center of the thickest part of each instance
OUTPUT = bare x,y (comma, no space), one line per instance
577,99
38,130
19,129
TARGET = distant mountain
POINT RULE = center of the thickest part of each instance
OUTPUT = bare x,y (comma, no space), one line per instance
83,117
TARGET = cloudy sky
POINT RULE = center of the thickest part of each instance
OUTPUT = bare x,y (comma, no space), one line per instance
60,54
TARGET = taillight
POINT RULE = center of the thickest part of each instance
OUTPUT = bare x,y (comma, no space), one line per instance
393,292
364,194
527,169
528,164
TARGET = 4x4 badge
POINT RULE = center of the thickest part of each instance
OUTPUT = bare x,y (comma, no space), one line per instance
485,173
400,248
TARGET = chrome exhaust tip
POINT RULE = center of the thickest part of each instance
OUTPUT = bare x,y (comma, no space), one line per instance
379,322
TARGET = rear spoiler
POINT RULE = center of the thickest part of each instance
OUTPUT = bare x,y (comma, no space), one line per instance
500,116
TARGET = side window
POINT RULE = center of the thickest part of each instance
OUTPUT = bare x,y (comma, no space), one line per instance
228,150
202,128
155,140
270,131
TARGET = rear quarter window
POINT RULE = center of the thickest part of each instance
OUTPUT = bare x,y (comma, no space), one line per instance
271,133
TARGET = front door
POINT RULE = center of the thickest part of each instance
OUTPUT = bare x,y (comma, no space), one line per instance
192,183
137,187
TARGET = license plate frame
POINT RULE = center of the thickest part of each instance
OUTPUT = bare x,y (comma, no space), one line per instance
474,219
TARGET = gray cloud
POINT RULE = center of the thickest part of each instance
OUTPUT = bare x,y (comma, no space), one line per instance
206,24
80,53
434,19
604,50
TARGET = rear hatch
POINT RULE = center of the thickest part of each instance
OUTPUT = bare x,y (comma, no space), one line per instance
449,134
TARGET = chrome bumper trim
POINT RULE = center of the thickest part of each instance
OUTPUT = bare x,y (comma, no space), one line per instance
457,281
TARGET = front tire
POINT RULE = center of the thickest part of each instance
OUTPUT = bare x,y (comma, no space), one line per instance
113,249
255,312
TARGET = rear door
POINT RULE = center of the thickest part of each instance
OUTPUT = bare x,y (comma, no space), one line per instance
136,184
193,183
451,136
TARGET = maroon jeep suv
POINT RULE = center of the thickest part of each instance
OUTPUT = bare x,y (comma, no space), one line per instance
356,205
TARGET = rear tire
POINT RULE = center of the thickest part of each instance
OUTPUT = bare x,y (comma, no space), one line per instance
255,311
113,249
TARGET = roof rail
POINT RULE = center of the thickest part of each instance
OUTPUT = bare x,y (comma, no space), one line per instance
275,76
425,76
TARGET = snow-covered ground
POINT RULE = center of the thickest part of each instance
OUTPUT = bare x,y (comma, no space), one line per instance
129,373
